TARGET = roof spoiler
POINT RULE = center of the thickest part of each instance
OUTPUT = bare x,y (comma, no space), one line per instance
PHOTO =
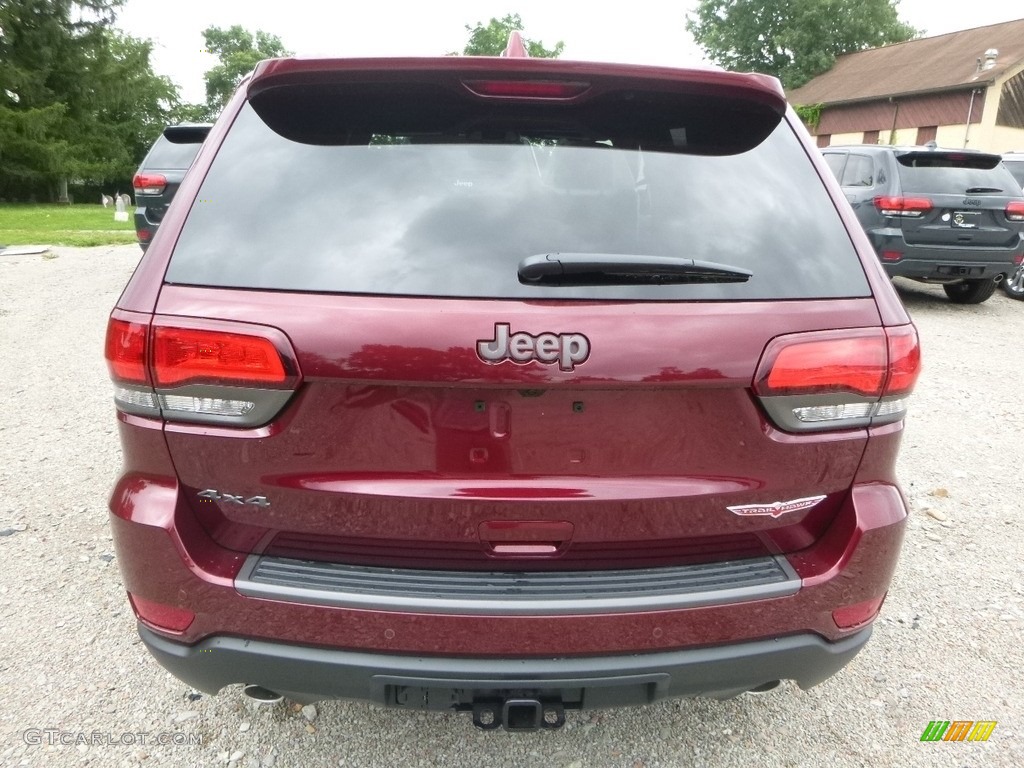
187,133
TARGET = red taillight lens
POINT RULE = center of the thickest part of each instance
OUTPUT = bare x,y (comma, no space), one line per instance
149,183
167,617
1015,210
892,256
187,355
857,615
904,360
125,350
902,206
843,364
143,234
526,89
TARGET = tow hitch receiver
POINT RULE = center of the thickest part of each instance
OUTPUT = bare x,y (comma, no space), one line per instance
518,714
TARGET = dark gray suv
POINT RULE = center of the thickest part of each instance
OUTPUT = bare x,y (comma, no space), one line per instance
1013,286
160,174
954,217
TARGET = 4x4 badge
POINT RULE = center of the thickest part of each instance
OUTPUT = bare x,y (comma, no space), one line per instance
777,508
566,349
230,498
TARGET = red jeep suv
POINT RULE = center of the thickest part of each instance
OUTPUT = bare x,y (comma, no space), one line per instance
508,386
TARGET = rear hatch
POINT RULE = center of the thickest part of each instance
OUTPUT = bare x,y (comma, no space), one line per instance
523,312
959,200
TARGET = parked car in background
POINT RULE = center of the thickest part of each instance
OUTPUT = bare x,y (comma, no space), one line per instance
508,386
1013,285
954,217
160,174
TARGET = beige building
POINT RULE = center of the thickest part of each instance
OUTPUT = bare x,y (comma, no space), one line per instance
963,89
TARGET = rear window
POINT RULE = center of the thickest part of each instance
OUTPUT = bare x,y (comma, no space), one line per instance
954,174
1016,168
399,194
169,156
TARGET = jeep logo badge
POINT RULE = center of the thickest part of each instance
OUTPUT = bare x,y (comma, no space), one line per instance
566,349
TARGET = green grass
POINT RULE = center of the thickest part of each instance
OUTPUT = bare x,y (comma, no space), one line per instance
80,225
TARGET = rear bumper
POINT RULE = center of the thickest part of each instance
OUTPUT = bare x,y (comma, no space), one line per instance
309,646
306,674
942,264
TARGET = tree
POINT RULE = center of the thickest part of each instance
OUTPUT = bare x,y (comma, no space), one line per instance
492,39
239,53
129,106
795,40
77,99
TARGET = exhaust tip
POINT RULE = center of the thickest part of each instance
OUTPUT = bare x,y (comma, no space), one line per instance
768,687
261,695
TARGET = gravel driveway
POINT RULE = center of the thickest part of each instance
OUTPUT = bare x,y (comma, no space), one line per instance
79,689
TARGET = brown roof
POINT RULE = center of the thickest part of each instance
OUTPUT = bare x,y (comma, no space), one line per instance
945,62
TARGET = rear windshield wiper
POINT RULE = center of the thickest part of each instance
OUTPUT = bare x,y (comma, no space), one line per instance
623,269
983,190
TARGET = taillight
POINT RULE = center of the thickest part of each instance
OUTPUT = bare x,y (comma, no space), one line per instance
829,365
838,379
527,89
149,183
904,360
182,355
232,377
143,234
912,207
125,350
1015,210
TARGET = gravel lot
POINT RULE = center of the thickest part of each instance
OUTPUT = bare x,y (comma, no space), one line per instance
948,644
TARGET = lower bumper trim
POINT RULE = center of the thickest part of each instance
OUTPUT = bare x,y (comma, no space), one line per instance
307,674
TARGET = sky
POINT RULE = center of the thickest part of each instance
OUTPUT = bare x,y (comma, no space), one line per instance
637,32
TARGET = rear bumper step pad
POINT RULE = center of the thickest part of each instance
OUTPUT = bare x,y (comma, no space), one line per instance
504,593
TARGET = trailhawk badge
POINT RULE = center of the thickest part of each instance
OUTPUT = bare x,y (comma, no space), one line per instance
566,349
777,508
